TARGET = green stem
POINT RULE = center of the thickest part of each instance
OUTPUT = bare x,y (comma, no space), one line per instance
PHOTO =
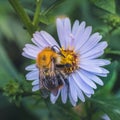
37,13
115,52
57,2
23,15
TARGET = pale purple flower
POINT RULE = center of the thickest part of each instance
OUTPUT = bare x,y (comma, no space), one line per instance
105,117
86,46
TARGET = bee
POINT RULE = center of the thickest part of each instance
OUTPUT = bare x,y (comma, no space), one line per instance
51,78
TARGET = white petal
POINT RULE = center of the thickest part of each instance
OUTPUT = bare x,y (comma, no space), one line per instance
48,38
31,52
105,117
64,31
80,30
35,88
80,94
93,68
31,67
36,82
71,100
30,46
72,89
67,30
67,25
54,98
97,62
93,77
43,39
38,40
99,47
88,95
81,84
92,41
83,38
64,92
28,56
60,31
96,55
86,80
32,75
79,33
75,27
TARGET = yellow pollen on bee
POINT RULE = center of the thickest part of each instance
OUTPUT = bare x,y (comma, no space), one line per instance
45,57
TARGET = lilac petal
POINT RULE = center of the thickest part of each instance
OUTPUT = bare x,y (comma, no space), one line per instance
43,39
80,30
93,77
71,100
64,31
35,82
48,38
105,117
67,30
75,27
79,33
54,98
60,31
31,67
73,89
97,62
64,92
35,88
101,74
32,75
30,52
30,46
83,38
88,95
67,25
38,40
80,94
86,80
96,55
99,47
93,68
92,42
83,86
28,56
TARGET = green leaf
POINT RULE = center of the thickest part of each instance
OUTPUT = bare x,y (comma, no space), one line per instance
110,80
7,70
107,5
108,105
44,19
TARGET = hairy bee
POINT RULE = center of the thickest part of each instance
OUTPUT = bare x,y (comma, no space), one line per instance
50,75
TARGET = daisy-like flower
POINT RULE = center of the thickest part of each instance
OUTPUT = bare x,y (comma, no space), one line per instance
105,117
79,49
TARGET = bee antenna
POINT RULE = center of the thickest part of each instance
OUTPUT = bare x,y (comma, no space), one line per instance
53,48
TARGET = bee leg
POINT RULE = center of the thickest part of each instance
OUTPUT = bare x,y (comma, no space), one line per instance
44,93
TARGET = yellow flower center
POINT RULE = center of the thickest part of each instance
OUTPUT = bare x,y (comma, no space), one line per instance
69,58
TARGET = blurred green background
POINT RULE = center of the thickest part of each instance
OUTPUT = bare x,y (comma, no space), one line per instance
17,102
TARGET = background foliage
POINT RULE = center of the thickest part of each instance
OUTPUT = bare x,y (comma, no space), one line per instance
16,28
